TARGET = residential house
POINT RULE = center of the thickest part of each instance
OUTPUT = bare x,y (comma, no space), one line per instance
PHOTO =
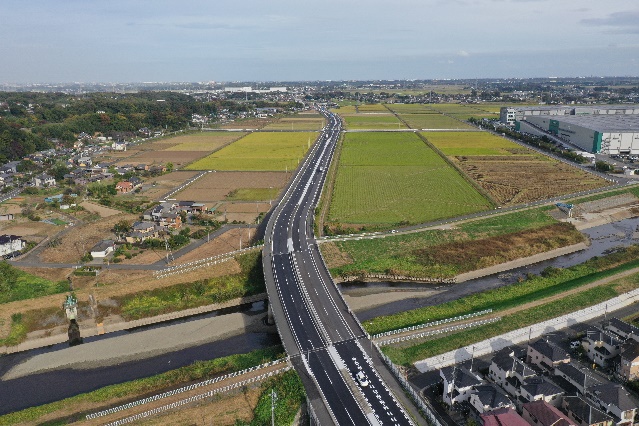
601,346
489,397
629,362
502,417
458,384
141,231
118,146
578,377
124,187
623,329
10,167
135,181
84,162
508,371
170,220
543,414
583,413
43,181
10,244
6,216
142,167
615,400
102,249
546,354
191,206
539,388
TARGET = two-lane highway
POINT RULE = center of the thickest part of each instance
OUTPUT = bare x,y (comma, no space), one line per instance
316,326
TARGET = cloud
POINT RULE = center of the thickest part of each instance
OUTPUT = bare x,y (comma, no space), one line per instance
463,53
622,22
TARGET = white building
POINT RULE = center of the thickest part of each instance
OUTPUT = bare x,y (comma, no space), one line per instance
11,244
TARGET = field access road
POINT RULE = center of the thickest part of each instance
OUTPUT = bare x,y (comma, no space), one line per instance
324,339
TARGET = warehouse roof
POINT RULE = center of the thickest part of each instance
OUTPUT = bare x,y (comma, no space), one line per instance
602,123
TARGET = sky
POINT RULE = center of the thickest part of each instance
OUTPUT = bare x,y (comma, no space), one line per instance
62,41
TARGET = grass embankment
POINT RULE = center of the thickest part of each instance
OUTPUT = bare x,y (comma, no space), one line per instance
78,406
446,253
199,293
413,184
552,282
18,285
290,397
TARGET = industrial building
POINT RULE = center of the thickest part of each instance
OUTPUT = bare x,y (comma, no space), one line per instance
605,129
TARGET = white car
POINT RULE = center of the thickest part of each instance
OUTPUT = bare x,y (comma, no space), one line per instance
361,378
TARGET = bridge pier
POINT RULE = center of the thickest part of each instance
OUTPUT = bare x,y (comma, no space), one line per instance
270,320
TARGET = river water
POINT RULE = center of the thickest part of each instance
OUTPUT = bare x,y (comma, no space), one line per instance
45,387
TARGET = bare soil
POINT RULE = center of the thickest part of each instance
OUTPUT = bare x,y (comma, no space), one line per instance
166,183
227,242
103,211
216,186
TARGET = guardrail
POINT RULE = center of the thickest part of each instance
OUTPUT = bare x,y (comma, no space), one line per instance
439,331
190,388
430,414
432,324
201,263
184,185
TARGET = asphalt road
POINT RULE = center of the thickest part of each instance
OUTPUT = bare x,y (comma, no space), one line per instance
315,324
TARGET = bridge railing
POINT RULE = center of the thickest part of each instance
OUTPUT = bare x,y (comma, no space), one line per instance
439,331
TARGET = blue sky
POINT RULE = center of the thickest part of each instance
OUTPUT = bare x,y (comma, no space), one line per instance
277,40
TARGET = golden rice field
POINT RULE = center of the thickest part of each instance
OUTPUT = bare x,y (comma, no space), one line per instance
260,152
203,141
471,143
433,121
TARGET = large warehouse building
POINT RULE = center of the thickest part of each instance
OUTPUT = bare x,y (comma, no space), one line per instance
607,129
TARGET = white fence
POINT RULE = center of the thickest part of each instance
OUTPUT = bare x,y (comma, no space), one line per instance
523,334
439,331
432,324
190,388
201,263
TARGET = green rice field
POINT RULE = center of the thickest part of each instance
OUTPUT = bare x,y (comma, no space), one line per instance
300,122
433,121
259,152
371,108
388,178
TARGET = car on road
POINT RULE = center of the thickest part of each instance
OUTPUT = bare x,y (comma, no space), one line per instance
361,378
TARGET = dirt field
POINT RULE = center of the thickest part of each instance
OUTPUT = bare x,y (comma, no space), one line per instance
215,186
166,183
178,158
526,180
28,229
229,241
101,210
82,238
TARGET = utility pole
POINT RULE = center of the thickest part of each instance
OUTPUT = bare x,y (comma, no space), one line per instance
273,400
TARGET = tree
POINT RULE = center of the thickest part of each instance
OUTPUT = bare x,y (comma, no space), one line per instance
121,228
602,166
169,167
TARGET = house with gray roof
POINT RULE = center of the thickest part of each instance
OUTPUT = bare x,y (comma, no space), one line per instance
539,388
546,354
583,413
623,329
628,367
489,397
458,384
601,346
578,377
614,399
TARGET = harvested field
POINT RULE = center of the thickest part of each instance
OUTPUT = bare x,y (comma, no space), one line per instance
82,238
166,183
253,123
473,143
378,121
204,141
216,186
28,229
535,178
298,122
178,158
103,211
433,121
225,243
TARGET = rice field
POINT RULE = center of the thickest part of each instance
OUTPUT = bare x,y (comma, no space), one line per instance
260,152
298,123
388,178
203,141
372,122
371,108
433,121
470,143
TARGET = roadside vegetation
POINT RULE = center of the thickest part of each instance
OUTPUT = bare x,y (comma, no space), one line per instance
77,407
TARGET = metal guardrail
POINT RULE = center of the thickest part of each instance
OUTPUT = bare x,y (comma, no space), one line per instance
201,263
432,324
439,331
190,388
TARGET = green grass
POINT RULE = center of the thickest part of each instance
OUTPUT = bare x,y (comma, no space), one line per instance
253,194
290,394
411,109
200,370
433,121
553,281
259,152
204,292
18,285
373,122
305,122
471,143
388,178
